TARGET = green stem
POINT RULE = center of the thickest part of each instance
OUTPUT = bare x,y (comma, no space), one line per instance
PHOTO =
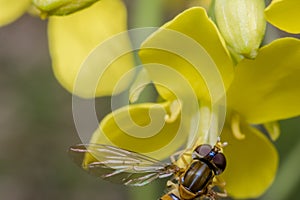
147,13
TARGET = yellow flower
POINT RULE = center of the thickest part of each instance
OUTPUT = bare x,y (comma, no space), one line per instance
175,120
263,90
259,91
127,126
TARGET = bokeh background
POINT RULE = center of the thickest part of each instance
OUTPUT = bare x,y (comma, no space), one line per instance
36,123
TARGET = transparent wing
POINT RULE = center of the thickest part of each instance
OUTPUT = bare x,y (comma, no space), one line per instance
119,165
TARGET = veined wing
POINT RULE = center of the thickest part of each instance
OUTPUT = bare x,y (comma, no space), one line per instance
119,165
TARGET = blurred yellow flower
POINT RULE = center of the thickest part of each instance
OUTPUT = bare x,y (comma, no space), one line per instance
73,37
10,10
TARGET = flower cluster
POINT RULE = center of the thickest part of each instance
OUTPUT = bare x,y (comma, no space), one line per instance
259,82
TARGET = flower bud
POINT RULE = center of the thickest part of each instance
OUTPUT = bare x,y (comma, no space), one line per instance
242,24
61,7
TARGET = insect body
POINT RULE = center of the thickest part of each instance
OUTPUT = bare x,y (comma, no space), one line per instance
197,180
130,168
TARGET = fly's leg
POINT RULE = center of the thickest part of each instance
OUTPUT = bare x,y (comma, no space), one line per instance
173,192
183,157
213,195
175,156
220,184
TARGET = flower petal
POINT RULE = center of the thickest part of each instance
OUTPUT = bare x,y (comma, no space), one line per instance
191,45
72,39
251,163
284,14
267,89
12,9
137,87
143,128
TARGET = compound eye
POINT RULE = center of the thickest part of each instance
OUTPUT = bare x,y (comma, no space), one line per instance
220,162
203,149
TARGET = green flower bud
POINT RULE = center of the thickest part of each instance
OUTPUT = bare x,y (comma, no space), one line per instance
242,24
61,7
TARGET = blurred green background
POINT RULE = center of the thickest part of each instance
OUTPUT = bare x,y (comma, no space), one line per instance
37,125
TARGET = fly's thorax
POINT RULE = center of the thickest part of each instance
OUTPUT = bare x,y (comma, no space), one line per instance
195,180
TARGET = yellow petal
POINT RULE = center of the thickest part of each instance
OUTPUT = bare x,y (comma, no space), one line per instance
143,128
284,14
267,89
72,39
10,10
191,47
251,163
137,87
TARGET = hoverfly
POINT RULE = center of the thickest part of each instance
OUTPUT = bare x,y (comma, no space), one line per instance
195,181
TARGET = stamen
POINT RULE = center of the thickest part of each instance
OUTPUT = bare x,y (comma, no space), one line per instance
175,109
220,144
224,144
235,127
273,129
